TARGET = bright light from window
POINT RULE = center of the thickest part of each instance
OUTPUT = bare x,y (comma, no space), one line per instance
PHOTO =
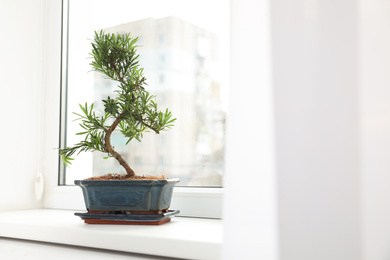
184,48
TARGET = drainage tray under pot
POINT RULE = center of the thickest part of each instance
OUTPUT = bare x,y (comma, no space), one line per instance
127,219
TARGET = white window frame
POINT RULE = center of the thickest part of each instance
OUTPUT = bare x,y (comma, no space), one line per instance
191,201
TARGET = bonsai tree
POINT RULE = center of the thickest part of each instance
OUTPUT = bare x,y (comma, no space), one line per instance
131,110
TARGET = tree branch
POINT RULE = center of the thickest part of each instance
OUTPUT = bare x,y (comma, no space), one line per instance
145,124
110,149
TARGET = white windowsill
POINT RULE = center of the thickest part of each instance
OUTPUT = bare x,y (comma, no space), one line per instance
187,238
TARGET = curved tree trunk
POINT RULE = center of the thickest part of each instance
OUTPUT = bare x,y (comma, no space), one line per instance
115,154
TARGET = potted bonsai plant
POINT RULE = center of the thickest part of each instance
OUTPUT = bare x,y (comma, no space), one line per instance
121,198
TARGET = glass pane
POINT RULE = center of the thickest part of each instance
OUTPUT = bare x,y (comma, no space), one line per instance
184,50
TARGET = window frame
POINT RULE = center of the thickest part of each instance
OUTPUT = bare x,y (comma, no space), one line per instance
191,201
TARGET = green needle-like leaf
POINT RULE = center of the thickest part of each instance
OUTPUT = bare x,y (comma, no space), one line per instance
133,110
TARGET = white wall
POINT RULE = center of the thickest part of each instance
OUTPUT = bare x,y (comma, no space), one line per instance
315,55
21,50
250,217
330,81
375,126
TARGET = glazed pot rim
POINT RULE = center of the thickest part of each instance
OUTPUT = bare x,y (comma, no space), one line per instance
140,181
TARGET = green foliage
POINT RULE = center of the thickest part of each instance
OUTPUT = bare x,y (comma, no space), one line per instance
133,111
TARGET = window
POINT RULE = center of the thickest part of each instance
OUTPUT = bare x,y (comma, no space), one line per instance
184,55
204,200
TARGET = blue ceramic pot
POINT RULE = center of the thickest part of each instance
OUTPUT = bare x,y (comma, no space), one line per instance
127,195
